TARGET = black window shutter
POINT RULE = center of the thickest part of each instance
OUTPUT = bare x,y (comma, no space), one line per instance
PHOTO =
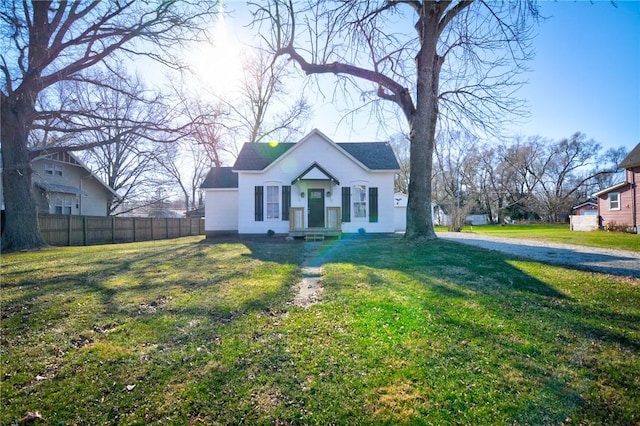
373,204
346,204
286,201
259,203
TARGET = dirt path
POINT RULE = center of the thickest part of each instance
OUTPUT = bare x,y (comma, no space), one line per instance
608,261
309,288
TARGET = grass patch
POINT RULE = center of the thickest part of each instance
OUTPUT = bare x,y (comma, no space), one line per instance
188,332
559,233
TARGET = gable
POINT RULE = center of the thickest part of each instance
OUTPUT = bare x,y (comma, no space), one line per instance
315,172
67,157
63,157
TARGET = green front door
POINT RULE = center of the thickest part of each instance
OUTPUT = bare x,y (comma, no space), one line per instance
316,208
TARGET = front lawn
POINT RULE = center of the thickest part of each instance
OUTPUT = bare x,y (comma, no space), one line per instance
559,233
190,332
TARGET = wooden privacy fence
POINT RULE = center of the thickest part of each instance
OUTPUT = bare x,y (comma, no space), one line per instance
67,230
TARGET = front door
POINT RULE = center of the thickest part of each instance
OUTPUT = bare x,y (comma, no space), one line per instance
316,208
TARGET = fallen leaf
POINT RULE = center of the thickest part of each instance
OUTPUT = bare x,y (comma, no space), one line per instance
31,417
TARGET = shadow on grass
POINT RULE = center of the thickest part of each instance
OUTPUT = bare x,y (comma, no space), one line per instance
531,323
245,361
143,283
467,269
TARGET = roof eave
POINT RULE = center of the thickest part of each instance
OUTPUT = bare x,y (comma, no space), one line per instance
611,188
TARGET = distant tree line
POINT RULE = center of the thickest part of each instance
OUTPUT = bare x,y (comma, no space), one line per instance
523,178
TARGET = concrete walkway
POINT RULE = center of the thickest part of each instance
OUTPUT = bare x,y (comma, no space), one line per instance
608,261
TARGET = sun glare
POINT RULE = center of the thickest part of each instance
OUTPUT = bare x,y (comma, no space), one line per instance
218,65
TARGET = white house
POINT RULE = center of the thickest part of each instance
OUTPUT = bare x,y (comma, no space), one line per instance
62,184
315,186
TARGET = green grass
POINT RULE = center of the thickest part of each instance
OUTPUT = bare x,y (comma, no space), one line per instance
187,332
559,233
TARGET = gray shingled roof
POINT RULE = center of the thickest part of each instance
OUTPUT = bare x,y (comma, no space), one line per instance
631,160
220,177
257,156
374,155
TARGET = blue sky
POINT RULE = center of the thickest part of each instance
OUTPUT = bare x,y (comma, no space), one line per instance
585,77
586,73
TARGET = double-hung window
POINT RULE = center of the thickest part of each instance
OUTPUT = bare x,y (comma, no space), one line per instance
273,202
52,169
614,201
359,201
62,204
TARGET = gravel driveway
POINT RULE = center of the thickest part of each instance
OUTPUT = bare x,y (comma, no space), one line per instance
608,261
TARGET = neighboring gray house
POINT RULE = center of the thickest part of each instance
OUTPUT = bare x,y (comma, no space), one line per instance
62,184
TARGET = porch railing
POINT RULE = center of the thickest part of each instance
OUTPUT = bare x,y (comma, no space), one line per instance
332,219
296,218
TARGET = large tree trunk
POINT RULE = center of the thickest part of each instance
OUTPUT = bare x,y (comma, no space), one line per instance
423,129
21,230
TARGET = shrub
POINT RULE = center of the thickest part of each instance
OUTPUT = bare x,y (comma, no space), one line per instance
613,226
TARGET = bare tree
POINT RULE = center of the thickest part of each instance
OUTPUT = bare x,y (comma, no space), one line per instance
209,119
456,163
520,167
400,145
48,42
186,165
488,186
540,177
367,43
264,108
606,173
570,164
122,111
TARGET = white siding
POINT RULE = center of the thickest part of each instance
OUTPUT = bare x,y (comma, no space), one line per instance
336,162
221,207
400,213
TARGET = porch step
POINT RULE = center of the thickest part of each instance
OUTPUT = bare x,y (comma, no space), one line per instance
313,236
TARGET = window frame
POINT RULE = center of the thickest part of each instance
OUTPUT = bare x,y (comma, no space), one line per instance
53,169
359,201
612,202
272,208
62,204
